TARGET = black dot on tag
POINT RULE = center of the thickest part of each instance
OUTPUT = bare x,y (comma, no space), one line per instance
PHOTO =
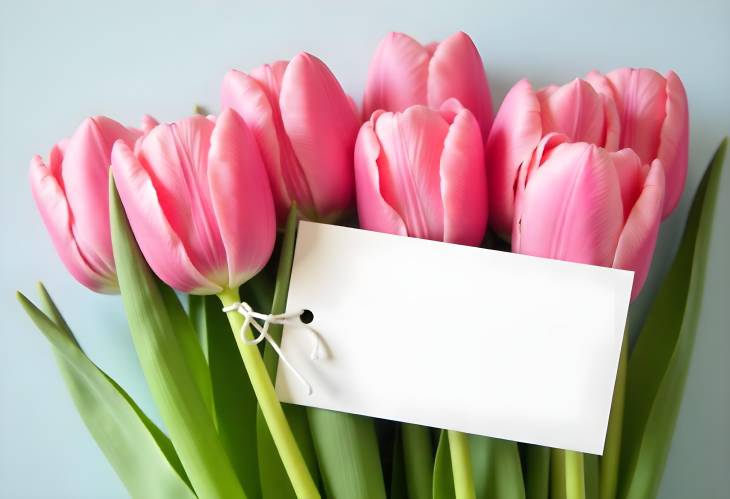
306,316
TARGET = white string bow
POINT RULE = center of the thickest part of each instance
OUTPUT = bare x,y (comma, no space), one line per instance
252,317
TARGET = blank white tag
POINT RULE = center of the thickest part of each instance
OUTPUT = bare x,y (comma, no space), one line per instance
454,337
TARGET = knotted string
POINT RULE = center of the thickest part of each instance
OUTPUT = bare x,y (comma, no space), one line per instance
251,318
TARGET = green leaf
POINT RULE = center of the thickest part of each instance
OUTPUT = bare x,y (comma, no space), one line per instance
461,467
188,338
275,483
443,477
658,366
348,455
537,471
497,468
235,401
419,458
557,474
169,377
138,451
609,461
398,485
162,440
591,466
196,311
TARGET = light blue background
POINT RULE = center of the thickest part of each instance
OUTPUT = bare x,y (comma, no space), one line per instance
62,61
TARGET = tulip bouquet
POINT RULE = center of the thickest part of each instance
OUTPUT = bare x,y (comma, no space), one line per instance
207,207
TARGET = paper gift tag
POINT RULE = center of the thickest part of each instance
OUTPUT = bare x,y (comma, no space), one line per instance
454,337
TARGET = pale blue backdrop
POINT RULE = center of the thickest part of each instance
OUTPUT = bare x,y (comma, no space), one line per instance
62,61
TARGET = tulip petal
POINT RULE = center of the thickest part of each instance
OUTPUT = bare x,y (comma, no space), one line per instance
572,207
158,241
612,126
56,215
373,210
398,75
409,163
322,128
539,155
270,76
456,70
253,102
641,100
575,110
631,173
638,238
290,171
605,89
674,142
176,158
85,174
148,123
241,198
464,181
514,134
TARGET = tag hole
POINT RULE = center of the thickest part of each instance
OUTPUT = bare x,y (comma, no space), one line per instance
306,316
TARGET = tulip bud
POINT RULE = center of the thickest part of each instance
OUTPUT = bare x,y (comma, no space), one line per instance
198,201
421,173
654,118
574,110
581,203
72,195
404,73
305,126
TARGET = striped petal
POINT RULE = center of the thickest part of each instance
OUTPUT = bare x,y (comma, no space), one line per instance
85,174
241,198
322,127
162,247
464,181
373,210
259,108
514,134
176,158
53,207
575,110
638,237
572,207
674,142
640,96
457,71
398,75
409,164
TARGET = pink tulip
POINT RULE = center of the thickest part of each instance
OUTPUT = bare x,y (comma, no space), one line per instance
404,73
198,201
654,120
421,173
581,203
72,195
305,126
575,110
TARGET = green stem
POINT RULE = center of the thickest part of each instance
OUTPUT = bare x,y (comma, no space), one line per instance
537,477
612,449
290,454
557,474
461,465
575,485
418,457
